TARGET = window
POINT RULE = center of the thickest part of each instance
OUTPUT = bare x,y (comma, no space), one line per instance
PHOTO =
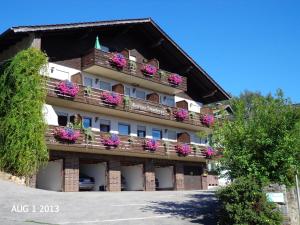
124,129
105,85
167,100
87,122
127,91
172,135
62,118
104,48
156,134
200,140
105,125
140,94
141,131
88,82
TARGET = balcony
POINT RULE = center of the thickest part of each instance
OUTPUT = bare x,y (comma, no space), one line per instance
132,108
98,62
129,146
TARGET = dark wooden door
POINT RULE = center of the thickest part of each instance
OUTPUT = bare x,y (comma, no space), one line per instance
192,177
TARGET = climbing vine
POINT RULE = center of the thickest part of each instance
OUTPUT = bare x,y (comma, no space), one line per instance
22,127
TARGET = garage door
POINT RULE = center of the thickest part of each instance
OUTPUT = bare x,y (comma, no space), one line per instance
50,177
192,177
97,171
164,177
133,178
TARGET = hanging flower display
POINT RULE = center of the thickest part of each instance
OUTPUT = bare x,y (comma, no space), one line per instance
149,70
151,144
111,140
67,87
209,152
111,98
181,114
118,60
207,120
175,79
183,149
66,134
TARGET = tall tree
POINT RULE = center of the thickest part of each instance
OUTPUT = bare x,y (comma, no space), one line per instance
262,140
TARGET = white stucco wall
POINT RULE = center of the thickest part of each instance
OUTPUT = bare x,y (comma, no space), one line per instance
60,72
193,105
165,176
50,176
134,177
50,115
97,171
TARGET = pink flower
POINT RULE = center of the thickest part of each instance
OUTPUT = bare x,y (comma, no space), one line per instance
183,149
111,98
149,69
66,134
209,152
151,144
207,120
68,88
111,140
181,114
118,60
175,79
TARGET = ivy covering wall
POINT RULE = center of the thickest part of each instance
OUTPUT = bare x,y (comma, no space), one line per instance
22,127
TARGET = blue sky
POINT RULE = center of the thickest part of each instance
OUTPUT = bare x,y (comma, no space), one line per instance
253,45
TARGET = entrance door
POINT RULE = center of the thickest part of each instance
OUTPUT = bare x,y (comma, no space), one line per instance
192,177
50,177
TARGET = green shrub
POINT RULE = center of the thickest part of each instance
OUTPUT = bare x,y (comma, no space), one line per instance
243,202
22,126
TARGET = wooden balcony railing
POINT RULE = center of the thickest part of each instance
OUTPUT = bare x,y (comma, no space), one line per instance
102,59
132,105
130,145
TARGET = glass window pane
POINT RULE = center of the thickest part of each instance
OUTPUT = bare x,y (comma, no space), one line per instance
87,122
127,91
172,135
169,101
62,118
124,129
141,131
156,134
88,81
105,125
140,94
105,86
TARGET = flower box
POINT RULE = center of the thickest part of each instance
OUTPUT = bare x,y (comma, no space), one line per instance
111,140
111,98
207,120
183,149
151,145
118,60
66,134
149,70
209,152
67,87
181,114
175,79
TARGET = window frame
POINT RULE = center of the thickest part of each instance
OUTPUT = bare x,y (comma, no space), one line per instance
124,124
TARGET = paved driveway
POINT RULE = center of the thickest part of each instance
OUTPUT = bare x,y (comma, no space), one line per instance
23,205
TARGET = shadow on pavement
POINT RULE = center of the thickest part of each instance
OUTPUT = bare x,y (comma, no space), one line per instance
199,209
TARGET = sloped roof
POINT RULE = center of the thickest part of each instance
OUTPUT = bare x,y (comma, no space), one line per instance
216,92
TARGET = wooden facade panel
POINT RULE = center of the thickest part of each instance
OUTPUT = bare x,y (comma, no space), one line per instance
182,104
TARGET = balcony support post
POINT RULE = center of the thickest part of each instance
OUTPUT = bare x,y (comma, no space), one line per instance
149,176
114,176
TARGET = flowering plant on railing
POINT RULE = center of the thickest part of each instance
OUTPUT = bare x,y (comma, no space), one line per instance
118,60
111,98
181,114
111,140
209,152
67,87
207,120
175,79
149,70
151,144
67,134
183,149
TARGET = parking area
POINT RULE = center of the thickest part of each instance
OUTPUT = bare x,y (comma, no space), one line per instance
35,206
